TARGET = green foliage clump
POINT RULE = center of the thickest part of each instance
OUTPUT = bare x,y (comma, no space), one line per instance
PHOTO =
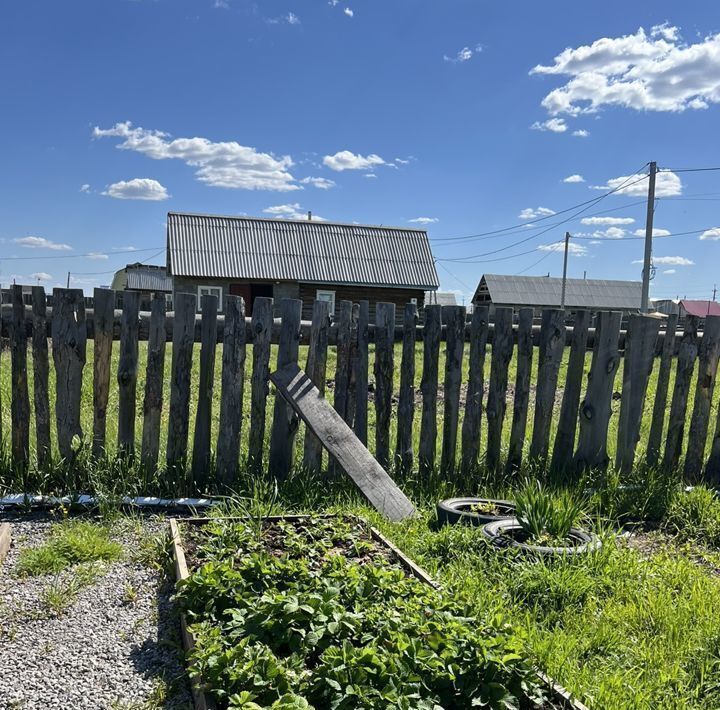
545,516
695,515
70,542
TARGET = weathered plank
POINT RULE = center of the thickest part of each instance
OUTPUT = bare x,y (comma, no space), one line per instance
201,453
372,480
41,372
552,344
652,455
127,373
522,388
104,317
471,428
317,371
69,341
640,342
354,359
707,371
361,377
429,388
231,396
4,540
406,399
20,402
181,370
384,339
285,422
154,373
564,445
687,354
596,408
454,319
502,347
342,367
262,320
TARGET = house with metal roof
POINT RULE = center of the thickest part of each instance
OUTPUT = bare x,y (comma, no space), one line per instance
309,260
545,292
143,278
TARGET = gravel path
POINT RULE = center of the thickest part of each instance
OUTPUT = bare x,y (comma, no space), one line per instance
116,645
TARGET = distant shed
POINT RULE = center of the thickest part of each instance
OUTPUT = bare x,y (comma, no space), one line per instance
701,309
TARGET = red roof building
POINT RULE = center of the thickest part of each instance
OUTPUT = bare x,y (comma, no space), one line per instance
702,309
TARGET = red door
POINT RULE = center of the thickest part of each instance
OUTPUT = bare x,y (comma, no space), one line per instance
245,291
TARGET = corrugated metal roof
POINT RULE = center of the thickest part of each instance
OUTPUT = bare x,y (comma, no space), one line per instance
148,279
209,246
702,309
440,298
541,291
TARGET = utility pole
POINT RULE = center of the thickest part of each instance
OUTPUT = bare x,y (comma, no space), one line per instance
644,303
714,291
564,281
68,280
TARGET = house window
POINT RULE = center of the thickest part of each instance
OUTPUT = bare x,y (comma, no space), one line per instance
328,296
210,291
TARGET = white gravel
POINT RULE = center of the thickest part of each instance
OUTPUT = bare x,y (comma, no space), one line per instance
117,645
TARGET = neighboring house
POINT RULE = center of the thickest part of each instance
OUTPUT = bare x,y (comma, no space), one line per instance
666,306
144,278
701,309
440,298
308,260
544,292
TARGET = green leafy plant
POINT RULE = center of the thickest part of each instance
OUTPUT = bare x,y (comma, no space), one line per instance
545,516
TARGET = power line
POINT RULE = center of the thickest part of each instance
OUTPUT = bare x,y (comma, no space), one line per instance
532,266
87,255
687,170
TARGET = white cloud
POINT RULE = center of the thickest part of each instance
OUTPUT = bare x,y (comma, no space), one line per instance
41,276
424,220
534,213
85,187
346,160
574,249
611,233
713,233
607,220
670,271
219,164
292,19
137,189
96,256
401,161
574,178
221,4
669,260
41,243
657,232
555,125
348,12
667,184
595,241
581,133
128,248
464,55
319,182
369,175
291,211
643,72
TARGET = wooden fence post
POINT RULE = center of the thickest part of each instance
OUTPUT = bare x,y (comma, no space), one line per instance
104,318
317,372
429,388
127,372
596,408
361,377
231,396
181,371
201,454
285,421
354,361
474,399
454,318
707,370
20,402
342,368
502,347
640,342
652,455
406,400
564,445
384,342
262,322
154,373
522,389
69,337
41,370
687,355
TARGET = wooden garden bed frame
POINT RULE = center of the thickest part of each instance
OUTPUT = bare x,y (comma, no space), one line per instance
558,694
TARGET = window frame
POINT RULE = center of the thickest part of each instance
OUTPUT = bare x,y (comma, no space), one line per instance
330,301
209,287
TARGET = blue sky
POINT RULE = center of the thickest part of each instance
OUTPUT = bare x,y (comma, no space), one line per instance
468,115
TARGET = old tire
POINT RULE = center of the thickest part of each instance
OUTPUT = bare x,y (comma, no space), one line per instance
457,510
499,533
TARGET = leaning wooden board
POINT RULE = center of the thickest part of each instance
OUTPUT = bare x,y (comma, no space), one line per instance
559,696
4,540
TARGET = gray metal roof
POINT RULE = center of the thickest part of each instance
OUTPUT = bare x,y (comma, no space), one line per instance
148,279
209,246
440,298
596,294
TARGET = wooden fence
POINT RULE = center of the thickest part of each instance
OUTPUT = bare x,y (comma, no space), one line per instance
574,441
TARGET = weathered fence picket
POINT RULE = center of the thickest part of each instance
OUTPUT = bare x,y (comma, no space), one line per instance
262,320
342,367
316,370
361,377
41,372
454,319
429,388
522,388
104,318
384,357
127,373
502,348
471,429
20,407
154,373
406,399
